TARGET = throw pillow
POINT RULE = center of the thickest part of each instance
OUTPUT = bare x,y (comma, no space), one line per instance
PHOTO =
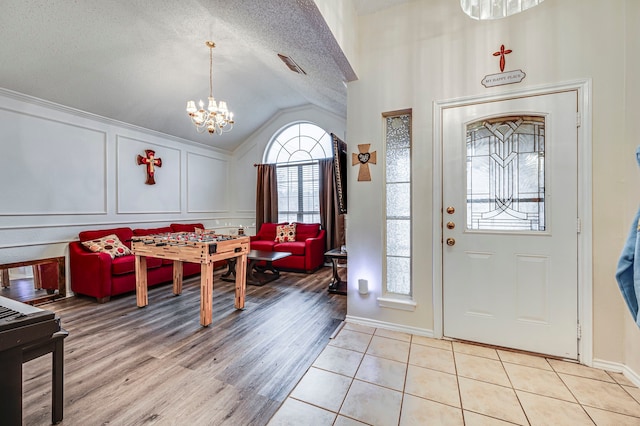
285,233
110,244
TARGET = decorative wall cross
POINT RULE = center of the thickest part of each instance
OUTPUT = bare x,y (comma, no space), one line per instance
364,157
151,162
501,53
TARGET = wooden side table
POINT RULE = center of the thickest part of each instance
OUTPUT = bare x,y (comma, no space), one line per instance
337,284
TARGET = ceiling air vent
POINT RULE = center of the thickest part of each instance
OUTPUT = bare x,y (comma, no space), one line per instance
291,64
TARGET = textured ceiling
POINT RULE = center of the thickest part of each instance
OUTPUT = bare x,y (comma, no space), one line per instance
140,61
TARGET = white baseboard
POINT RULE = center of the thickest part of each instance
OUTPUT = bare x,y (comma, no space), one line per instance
616,367
389,326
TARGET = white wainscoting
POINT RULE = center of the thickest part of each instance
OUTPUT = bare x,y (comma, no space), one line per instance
207,184
38,174
134,195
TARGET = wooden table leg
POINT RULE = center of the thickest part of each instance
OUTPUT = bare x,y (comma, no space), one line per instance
241,280
177,277
206,293
5,278
141,281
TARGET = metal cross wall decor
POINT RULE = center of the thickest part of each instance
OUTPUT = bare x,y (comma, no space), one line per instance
151,162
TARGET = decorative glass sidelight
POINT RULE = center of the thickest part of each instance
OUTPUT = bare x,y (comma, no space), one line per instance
505,174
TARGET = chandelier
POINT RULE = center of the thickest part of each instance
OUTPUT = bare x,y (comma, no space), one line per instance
495,9
216,118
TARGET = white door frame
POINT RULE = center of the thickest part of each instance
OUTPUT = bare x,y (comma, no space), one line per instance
585,275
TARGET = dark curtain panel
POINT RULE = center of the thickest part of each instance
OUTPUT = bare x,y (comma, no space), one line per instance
330,218
266,195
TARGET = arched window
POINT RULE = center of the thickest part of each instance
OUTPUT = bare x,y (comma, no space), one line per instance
296,150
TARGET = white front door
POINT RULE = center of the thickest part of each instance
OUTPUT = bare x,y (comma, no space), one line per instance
509,218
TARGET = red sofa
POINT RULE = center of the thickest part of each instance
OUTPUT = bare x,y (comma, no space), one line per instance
307,250
98,275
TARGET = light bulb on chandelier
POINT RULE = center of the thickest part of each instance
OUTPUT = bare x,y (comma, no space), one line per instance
216,118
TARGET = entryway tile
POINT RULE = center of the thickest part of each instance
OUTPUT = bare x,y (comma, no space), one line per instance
405,337
345,421
353,340
358,327
434,385
434,358
620,378
434,343
634,391
542,411
294,412
476,350
418,411
475,419
382,372
372,404
322,388
538,381
339,360
579,370
607,418
487,370
389,349
524,359
598,394
491,400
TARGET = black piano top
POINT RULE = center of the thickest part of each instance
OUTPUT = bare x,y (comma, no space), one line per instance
16,314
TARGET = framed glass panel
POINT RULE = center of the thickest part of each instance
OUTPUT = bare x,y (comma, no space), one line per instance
505,174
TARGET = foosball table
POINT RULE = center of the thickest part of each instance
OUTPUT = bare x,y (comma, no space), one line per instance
205,248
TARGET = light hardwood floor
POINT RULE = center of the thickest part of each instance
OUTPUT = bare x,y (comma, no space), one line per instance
156,365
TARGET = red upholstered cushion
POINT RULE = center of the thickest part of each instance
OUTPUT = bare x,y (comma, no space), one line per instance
264,245
306,230
149,231
127,264
295,248
124,235
268,230
186,227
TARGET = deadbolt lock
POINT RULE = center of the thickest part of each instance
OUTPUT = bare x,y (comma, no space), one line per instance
451,210
451,225
451,241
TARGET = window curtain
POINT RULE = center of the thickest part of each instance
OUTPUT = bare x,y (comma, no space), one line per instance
266,195
330,218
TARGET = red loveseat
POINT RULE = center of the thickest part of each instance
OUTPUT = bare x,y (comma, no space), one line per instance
307,250
98,275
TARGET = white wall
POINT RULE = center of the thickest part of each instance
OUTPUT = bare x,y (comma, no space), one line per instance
64,171
420,52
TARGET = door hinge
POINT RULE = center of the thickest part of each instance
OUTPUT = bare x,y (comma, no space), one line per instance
578,225
578,119
579,331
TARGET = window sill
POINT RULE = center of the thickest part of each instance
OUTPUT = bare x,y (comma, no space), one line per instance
402,304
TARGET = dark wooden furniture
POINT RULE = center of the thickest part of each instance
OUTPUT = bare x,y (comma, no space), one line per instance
256,274
27,333
337,284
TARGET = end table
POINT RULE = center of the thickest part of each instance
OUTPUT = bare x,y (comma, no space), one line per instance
337,285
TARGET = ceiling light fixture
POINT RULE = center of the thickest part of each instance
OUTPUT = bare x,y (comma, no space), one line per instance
216,118
495,9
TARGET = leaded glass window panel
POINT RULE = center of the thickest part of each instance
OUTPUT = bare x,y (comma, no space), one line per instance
505,174
398,203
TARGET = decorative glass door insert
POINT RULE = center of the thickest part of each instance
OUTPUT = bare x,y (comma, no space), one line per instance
505,174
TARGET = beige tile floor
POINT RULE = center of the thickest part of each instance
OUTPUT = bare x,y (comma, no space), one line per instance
378,377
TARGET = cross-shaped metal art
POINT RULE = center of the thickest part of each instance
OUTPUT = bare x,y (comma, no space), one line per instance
152,162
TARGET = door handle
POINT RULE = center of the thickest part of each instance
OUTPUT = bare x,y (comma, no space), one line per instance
451,242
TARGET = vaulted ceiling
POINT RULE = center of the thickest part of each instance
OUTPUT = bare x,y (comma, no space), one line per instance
140,61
